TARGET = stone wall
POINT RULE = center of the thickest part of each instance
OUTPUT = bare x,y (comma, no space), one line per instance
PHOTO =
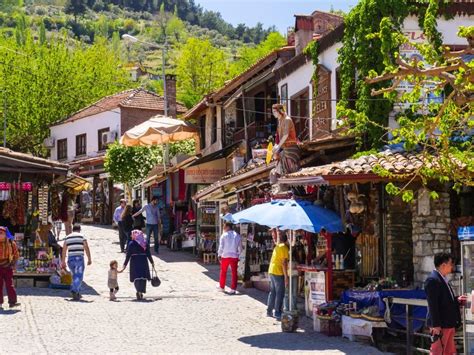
431,220
399,240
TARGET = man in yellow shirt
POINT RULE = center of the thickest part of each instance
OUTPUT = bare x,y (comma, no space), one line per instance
278,272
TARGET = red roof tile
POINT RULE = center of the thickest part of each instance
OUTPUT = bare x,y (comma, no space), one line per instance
133,98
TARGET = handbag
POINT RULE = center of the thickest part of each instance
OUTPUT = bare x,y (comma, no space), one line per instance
155,280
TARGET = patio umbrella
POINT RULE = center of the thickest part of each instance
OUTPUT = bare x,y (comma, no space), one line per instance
290,215
158,130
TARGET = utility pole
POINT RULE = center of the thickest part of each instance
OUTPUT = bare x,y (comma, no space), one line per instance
4,119
165,91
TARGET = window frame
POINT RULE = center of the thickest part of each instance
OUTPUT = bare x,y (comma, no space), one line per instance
62,148
79,144
100,146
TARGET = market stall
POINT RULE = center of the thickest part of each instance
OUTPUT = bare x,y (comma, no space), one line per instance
25,185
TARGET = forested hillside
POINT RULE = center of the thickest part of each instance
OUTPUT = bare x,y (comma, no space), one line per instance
78,44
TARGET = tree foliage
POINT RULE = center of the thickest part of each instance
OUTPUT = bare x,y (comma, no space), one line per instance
435,117
200,69
247,55
44,81
131,165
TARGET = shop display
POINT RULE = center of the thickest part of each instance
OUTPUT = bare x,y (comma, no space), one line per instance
35,257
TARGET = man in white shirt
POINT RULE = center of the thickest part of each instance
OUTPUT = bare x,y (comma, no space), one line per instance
230,247
118,219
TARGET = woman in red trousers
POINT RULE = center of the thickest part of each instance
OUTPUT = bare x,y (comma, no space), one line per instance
230,247
8,258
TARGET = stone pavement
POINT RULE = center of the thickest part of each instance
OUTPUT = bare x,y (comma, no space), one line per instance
184,315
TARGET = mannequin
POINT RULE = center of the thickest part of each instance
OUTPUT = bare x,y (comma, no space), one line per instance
286,151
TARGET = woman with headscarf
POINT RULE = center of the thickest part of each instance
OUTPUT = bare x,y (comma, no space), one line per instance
138,254
8,258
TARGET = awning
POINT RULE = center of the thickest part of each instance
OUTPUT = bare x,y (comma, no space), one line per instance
74,182
222,153
253,173
11,161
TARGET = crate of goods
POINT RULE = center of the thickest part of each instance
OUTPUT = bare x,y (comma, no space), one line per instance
330,327
25,282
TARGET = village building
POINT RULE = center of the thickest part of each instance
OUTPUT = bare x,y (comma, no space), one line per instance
81,141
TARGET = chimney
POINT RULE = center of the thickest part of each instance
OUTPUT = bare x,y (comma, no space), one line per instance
303,32
171,94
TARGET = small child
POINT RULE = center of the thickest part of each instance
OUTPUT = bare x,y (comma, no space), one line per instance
112,282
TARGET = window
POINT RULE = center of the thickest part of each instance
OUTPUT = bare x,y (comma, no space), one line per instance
102,145
80,145
284,96
300,113
202,127
62,149
214,126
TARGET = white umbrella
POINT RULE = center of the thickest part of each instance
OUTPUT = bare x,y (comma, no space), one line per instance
159,130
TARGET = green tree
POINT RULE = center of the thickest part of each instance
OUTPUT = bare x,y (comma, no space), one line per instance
45,83
440,129
201,68
131,165
76,8
247,56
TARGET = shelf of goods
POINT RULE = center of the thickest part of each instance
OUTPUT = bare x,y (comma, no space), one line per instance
259,250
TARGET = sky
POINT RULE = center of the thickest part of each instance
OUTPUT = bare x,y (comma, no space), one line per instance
271,12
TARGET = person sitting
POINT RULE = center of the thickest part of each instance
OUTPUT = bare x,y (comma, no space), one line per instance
52,241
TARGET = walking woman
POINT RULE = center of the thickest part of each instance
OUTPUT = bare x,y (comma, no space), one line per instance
138,221
138,254
127,223
8,258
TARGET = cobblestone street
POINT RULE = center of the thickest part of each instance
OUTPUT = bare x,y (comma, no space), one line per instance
184,315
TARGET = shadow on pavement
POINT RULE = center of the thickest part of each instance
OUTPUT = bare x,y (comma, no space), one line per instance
8,312
170,256
50,292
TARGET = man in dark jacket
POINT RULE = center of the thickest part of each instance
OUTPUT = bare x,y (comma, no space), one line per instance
443,306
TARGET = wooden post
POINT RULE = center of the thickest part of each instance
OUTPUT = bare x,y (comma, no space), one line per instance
247,146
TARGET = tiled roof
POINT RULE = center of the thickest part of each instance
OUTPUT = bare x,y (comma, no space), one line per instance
133,98
401,163
148,100
401,166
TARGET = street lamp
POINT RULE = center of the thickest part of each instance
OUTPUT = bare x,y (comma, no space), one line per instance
134,39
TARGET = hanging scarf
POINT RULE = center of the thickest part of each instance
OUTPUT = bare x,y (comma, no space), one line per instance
139,237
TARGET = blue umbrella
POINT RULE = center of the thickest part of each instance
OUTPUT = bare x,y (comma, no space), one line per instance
290,215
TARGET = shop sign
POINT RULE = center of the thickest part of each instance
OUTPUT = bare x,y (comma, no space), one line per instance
315,290
259,153
206,173
232,200
24,186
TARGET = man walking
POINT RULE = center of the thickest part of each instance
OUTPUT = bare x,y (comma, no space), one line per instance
75,246
152,215
443,307
230,247
118,219
278,272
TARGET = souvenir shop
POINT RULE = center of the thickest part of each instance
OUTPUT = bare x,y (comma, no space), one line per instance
349,278
25,208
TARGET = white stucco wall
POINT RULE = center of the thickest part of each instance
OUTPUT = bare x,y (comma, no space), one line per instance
217,145
448,28
88,125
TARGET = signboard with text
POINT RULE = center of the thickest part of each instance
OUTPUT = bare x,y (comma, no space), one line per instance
206,173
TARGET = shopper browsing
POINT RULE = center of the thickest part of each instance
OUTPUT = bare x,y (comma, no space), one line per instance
74,247
230,247
8,258
278,272
443,306
152,213
112,281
